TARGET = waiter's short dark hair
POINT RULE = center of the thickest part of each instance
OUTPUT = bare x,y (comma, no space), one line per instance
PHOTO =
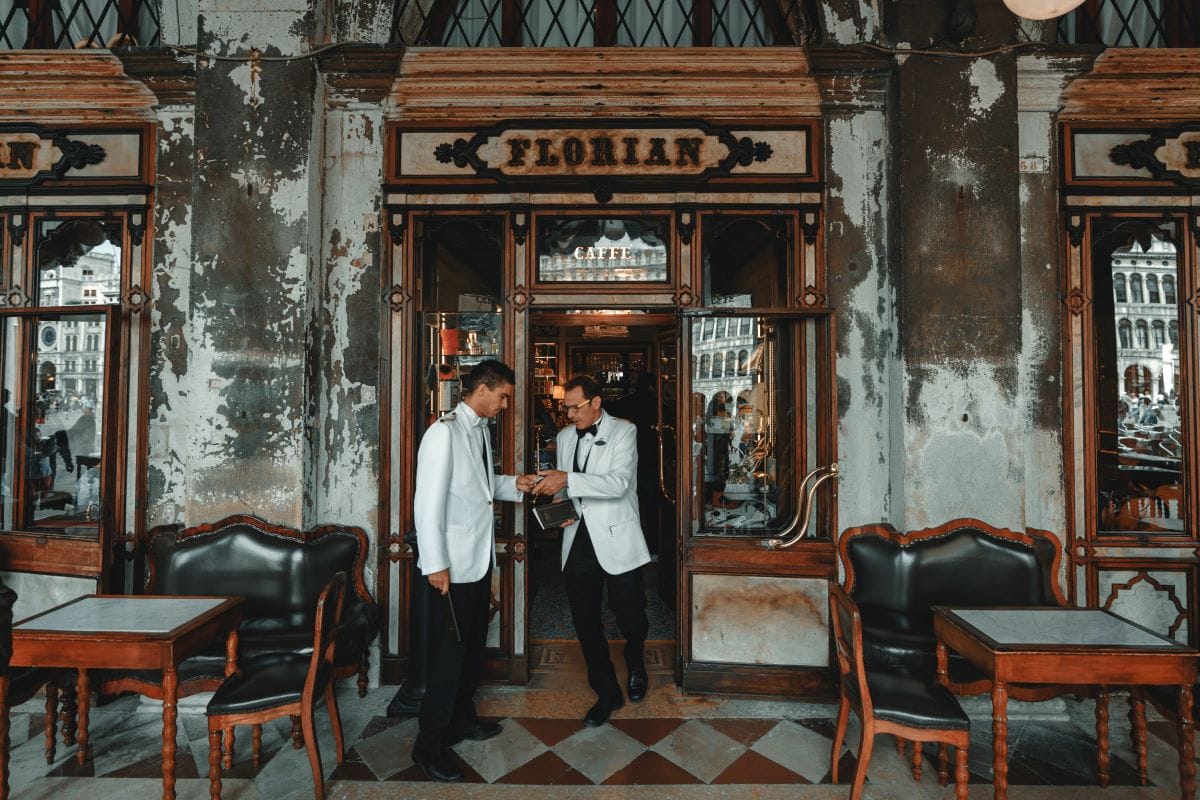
490,373
589,385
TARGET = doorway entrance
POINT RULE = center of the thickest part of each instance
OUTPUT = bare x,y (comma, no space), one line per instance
631,355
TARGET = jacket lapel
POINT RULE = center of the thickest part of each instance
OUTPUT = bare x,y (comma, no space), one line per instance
473,435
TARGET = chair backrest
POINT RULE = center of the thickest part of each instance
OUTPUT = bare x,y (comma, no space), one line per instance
279,571
330,606
847,638
965,563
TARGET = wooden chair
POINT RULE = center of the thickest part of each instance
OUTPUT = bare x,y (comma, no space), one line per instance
285,684
20,684
889,702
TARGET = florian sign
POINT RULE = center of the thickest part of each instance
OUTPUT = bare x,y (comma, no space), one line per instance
30,154
1172,155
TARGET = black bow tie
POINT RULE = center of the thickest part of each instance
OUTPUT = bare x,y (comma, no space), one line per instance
582,432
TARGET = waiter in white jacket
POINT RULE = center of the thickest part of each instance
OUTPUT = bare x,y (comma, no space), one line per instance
597,469
456,552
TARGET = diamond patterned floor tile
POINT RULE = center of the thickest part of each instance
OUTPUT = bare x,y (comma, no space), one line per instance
746,731
798,748
390,750
701,750
599,752
552,731
650,768
647,731
547,770
493,759
752,768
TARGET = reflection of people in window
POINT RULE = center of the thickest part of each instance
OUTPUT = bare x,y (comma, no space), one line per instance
82,434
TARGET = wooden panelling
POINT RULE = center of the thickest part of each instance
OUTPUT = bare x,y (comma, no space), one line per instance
82,87
1128,84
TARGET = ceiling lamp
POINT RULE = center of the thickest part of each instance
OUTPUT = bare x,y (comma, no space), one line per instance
1041,9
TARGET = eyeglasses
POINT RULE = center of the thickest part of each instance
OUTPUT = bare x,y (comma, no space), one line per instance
577,406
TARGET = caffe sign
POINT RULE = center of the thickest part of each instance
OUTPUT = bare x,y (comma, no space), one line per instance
30,154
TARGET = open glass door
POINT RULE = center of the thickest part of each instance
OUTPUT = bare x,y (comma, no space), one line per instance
757,552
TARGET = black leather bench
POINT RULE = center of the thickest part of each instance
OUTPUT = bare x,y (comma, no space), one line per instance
280,572
896,578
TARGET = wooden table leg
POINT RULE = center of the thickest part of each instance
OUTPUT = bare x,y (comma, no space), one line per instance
943,664
170,696
1102,737
83,702
999,740
1137,726
1187,753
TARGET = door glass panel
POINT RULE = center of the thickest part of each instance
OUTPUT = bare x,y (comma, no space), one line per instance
50,435
1141,461
744,426
745,261
618,250
79,263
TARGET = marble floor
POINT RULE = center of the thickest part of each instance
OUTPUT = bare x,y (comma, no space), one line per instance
671,745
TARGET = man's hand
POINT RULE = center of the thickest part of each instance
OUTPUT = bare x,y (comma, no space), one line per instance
526,482
440,581
552,481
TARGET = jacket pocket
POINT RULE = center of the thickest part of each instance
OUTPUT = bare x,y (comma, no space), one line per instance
630,527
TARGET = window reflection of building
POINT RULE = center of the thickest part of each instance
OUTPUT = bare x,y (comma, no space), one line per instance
92,279
1147,319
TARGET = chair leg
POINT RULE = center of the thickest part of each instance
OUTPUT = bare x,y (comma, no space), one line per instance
51,721
214,762
916,760
335,720
227,761
901,746
1137,730
961,776
363,669
297,732
4,741
67,715
839,734
864,758
314,752
256,744
943,763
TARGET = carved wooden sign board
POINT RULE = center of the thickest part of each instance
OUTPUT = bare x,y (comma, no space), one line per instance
599,156
1172,155
1099,154
30,154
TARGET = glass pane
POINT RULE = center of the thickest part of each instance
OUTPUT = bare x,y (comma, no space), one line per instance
462,259
744,427
629,250
1141,461
79,263
52,459
745,261
654,23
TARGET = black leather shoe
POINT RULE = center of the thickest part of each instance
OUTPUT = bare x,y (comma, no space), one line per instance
598,714
637,684
437,770
481,732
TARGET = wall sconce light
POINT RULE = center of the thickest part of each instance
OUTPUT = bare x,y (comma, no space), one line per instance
1041,9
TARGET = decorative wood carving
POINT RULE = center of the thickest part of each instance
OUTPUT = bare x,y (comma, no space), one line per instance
135,299
1143,576
398,297
1076,301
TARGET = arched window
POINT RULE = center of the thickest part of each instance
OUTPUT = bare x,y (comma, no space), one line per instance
730,364
1142,335
1137,380
1169,289
1173,332
1119,287
1135,288
1125,334
743,362
705,362
718,364
1158,331
1152,289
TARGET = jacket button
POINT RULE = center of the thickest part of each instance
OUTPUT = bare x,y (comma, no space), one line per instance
489,502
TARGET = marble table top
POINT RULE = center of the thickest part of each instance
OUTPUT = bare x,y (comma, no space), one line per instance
121,614
1089,627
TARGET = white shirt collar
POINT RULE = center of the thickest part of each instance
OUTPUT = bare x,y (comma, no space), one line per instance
468,413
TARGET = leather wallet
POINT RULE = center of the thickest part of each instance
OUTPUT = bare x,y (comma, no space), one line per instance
551,515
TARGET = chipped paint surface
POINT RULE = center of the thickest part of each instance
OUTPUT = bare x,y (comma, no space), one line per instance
987,87
849,21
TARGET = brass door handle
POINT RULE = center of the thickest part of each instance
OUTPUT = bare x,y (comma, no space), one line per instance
820,474
662,456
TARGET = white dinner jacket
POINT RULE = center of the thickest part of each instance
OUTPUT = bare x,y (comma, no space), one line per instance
605,494
452,508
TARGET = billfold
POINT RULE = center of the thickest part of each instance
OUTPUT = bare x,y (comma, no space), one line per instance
551,515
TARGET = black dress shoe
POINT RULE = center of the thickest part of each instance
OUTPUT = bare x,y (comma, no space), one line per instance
481,732
437,769
637,684
598,714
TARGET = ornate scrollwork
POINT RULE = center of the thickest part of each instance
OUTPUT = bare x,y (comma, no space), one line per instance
517,548
136,299
77,154
18,224
397,297
395,547
1075,228
462,152
1076,301
812,298
520,298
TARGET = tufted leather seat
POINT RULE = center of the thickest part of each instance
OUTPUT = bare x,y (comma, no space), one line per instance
280,572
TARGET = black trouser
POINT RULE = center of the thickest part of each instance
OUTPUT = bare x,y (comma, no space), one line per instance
454,667
585,579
